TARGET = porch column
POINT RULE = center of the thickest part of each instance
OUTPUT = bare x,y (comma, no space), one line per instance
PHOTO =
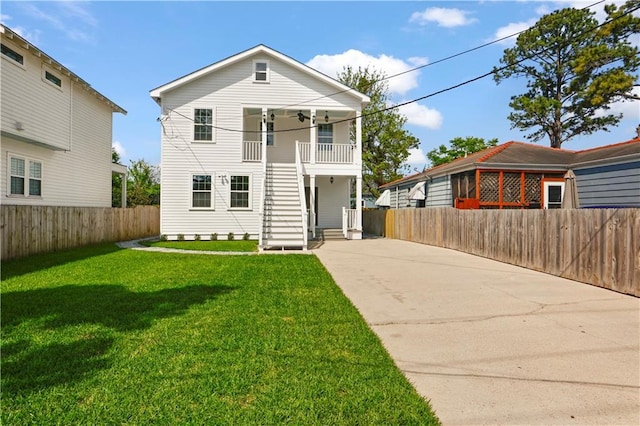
263,136
312,202
312,138
359,136
359,203
123,189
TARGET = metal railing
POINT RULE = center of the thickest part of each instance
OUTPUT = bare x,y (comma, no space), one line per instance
251,151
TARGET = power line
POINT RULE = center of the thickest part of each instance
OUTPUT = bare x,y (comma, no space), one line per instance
464,83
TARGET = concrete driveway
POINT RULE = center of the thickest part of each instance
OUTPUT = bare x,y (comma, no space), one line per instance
491,343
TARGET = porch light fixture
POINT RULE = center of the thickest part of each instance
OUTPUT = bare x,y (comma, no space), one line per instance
313,119
326,117
273,116
264,118
301,117
331,180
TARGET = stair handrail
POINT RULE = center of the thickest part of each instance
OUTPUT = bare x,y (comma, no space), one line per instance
262,197
303,202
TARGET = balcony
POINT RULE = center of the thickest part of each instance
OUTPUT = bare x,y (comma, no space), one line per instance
326,153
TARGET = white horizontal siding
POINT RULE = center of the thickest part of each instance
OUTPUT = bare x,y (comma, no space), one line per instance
42,108
228,92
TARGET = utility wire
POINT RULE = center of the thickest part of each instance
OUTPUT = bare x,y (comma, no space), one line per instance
464,83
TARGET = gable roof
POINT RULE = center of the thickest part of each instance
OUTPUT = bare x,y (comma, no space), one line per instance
16,38
522,155
156,93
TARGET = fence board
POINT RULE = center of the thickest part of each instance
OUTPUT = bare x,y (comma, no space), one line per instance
596,246
28,230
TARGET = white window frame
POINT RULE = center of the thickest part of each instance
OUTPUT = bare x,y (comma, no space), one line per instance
26,193
249,190
267,72
211,191
325,147
546,185
13,61
270,133
212,125
46,70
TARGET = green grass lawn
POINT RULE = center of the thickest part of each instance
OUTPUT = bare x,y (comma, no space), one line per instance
109,336
217,245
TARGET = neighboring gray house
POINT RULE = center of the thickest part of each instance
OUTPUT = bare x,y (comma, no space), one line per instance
524,175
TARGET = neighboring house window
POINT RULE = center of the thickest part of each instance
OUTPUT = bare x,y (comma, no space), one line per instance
201,191
203,124
270,135
553,192
325,136
261,71
52,79
239,192
12,54
25,181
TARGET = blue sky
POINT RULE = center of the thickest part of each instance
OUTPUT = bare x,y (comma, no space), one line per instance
124,49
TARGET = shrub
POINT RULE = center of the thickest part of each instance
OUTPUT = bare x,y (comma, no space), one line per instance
163,237
230,236
180,237
245,236
214,236
196,237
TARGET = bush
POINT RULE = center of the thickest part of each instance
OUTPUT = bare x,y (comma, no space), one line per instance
230,236
245,236
163,237
214,236
180,237
196,237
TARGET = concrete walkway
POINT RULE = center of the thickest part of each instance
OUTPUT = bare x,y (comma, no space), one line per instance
491,343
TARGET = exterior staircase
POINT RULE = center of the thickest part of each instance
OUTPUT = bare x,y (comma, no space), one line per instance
282,225
327,234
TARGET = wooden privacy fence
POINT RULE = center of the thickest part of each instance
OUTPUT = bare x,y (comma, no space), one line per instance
596,246
28,230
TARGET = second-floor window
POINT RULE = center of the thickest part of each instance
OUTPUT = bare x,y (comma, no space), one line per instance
12,54
270,135
203,124
53,79
325,136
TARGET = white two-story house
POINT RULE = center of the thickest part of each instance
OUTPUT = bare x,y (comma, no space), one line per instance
262,145
56,131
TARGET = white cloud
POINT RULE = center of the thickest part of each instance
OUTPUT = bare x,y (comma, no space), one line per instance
120,150
629,109
444,17
416,157
513,28
334,64
68,19
421,115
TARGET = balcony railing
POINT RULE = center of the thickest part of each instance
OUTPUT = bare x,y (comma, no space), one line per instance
327,153
252,151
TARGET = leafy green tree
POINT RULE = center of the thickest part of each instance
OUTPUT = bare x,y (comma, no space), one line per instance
116,182
459,147
143,184
385,144
574,70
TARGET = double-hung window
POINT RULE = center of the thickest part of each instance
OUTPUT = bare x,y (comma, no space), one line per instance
270,134
261,71
203,124
201,190
325,137
26,177
239,192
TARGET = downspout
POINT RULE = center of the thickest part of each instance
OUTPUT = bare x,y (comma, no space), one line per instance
71,116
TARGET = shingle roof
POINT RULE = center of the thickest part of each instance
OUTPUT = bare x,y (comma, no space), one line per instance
521,155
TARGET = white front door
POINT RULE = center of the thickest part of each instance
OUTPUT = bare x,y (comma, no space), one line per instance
553,193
